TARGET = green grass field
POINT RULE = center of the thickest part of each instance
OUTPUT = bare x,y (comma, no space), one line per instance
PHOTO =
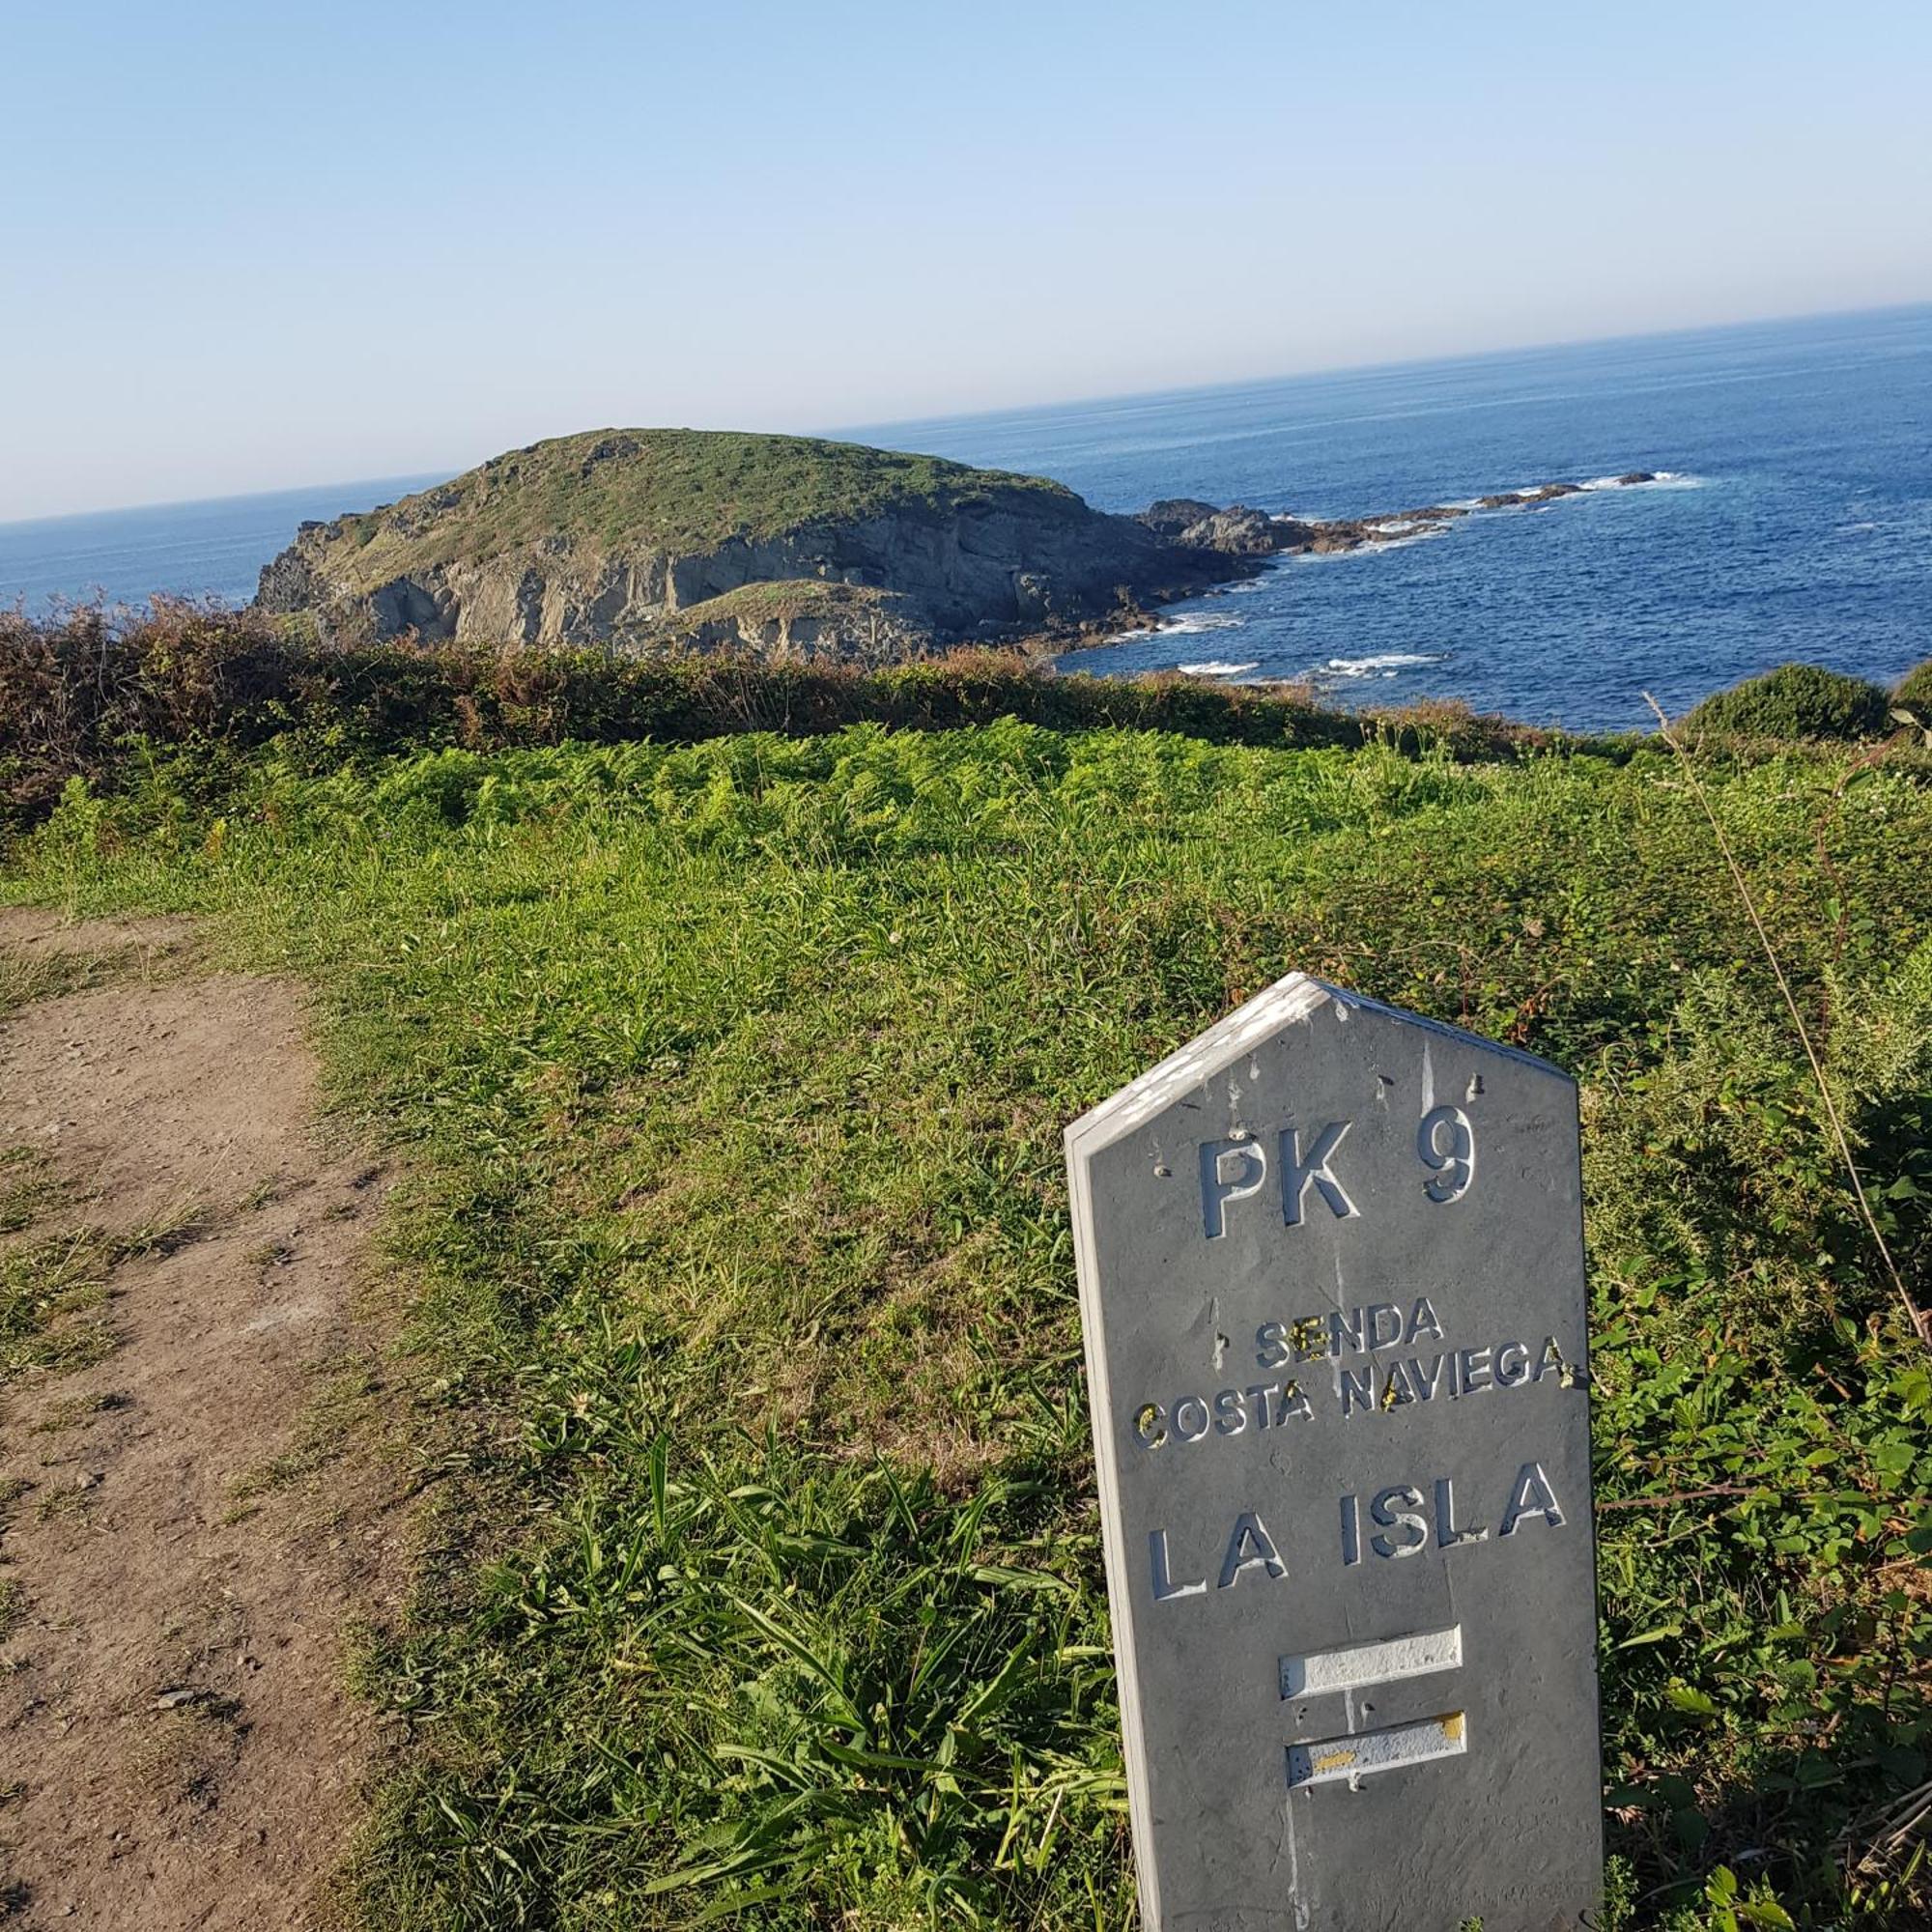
764,1573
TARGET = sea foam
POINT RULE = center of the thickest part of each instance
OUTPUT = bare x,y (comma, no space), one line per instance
1427,533
1661,480
1384,664
1188,624
1192,621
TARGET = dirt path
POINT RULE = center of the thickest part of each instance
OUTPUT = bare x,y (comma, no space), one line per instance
189,1522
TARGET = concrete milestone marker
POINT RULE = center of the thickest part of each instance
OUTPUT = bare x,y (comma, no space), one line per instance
1331,1277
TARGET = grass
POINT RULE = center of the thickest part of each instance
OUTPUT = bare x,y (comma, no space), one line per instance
55,1286
52,1296
182,1757
765,1579
27,1188
173,697
672,490
24,978
76,1411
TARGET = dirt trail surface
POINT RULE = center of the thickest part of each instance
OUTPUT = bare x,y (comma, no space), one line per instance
189,1522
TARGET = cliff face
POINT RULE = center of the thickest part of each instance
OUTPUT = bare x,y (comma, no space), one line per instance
614,538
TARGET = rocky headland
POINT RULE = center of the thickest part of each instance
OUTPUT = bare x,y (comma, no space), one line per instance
662,541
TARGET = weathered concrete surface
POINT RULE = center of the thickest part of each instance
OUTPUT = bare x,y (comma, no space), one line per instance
1331,1277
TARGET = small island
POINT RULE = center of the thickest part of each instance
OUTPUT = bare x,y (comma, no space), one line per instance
663,540
666,541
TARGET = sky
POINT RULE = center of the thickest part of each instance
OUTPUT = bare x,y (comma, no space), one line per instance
249,246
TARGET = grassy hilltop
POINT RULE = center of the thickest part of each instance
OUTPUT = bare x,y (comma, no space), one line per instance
741,1342
679,488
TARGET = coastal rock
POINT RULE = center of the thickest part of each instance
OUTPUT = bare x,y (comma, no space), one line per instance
1235,532
1516,499
1171,515
1295,532
1238,531
783,547
622,537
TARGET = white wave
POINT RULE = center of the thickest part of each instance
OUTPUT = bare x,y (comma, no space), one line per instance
1189,623
1384,664
1428,533
1195,621
1659,480
1214,668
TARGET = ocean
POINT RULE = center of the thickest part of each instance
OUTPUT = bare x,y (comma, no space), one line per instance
210,549
1792,518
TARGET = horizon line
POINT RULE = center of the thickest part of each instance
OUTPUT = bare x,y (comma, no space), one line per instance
845,432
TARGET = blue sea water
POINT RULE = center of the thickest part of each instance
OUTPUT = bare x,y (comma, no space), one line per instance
1795,522
212,549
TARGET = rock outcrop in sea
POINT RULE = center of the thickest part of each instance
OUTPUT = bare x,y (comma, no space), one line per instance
1238,531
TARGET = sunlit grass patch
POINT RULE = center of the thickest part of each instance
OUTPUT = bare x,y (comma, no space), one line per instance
27,1188
51,1304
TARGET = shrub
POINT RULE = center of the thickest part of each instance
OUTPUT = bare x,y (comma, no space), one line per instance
1913,690
1796,700
76,692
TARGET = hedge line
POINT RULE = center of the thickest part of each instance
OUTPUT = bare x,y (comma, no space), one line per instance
76,690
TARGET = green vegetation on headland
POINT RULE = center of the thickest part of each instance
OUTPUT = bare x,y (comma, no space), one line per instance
1913,690
765,1573
680,489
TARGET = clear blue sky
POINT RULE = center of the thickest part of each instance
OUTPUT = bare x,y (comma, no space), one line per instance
255,245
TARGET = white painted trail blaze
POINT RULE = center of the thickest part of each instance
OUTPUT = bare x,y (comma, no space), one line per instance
1356,1667
1364,1753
